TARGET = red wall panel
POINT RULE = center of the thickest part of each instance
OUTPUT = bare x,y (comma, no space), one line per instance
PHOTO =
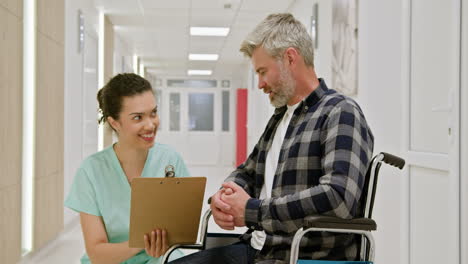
241,126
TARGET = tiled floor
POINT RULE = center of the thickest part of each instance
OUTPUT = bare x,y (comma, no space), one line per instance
68,247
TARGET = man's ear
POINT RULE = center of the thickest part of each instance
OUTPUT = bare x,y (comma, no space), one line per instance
113,123
292,55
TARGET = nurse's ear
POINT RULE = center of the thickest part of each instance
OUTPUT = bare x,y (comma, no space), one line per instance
115,124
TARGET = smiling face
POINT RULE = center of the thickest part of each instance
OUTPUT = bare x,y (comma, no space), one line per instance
273,77
138,121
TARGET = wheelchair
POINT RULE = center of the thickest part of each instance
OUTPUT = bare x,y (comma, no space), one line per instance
361,226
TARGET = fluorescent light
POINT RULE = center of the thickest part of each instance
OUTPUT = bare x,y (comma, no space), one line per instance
29,114
203,57
209,31
199,72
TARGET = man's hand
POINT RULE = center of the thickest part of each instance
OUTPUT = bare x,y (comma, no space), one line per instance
236,197
219,209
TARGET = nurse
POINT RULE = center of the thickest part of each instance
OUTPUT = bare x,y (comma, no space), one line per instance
101,188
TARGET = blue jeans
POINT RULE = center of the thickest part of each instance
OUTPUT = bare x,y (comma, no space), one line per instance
238,253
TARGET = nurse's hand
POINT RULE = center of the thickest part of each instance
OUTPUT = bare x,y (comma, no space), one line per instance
156,243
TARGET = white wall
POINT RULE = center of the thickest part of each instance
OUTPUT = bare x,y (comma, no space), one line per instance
380,95
123,54
302,10
73,90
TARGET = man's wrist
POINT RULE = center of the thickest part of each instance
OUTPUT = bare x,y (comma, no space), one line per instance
253,214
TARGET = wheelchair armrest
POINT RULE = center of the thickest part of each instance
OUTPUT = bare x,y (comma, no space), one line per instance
366,224
165,257
360,226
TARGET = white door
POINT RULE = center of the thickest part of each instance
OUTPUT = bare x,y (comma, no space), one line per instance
432,75
192,121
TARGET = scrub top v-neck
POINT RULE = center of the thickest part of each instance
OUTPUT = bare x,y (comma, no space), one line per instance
101,188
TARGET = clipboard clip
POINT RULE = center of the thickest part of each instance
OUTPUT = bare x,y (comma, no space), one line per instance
169,171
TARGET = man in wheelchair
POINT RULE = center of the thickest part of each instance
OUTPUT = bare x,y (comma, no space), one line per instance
311,159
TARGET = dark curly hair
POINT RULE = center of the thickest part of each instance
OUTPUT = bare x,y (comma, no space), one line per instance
110,96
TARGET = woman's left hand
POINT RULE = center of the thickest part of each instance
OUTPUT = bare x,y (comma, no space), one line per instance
156,243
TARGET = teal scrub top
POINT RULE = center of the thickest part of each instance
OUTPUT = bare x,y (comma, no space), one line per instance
101,188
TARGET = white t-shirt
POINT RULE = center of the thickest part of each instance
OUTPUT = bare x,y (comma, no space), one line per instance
258,237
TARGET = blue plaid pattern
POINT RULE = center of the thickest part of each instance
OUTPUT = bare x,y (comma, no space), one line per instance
321,170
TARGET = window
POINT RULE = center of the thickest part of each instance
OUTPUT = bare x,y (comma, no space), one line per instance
174,112
200,112
225,106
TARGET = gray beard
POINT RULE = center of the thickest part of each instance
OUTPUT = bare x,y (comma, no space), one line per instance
286,88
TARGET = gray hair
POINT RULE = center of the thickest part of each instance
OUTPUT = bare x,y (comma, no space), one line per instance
278,32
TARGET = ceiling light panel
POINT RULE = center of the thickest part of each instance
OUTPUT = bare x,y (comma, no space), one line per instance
199,72
203,57
209,31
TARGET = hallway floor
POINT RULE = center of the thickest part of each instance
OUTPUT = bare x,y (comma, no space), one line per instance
68,247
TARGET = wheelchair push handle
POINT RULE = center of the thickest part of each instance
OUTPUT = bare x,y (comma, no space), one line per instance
393,160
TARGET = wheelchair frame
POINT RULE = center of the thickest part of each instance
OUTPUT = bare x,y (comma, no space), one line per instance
362,226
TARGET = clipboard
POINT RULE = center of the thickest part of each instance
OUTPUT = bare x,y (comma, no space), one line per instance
173,204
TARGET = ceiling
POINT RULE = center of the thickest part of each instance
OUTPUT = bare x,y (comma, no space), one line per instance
158,30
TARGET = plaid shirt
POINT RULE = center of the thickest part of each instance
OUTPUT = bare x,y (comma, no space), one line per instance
321,170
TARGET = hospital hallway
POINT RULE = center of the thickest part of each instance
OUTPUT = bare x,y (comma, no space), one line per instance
403,63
